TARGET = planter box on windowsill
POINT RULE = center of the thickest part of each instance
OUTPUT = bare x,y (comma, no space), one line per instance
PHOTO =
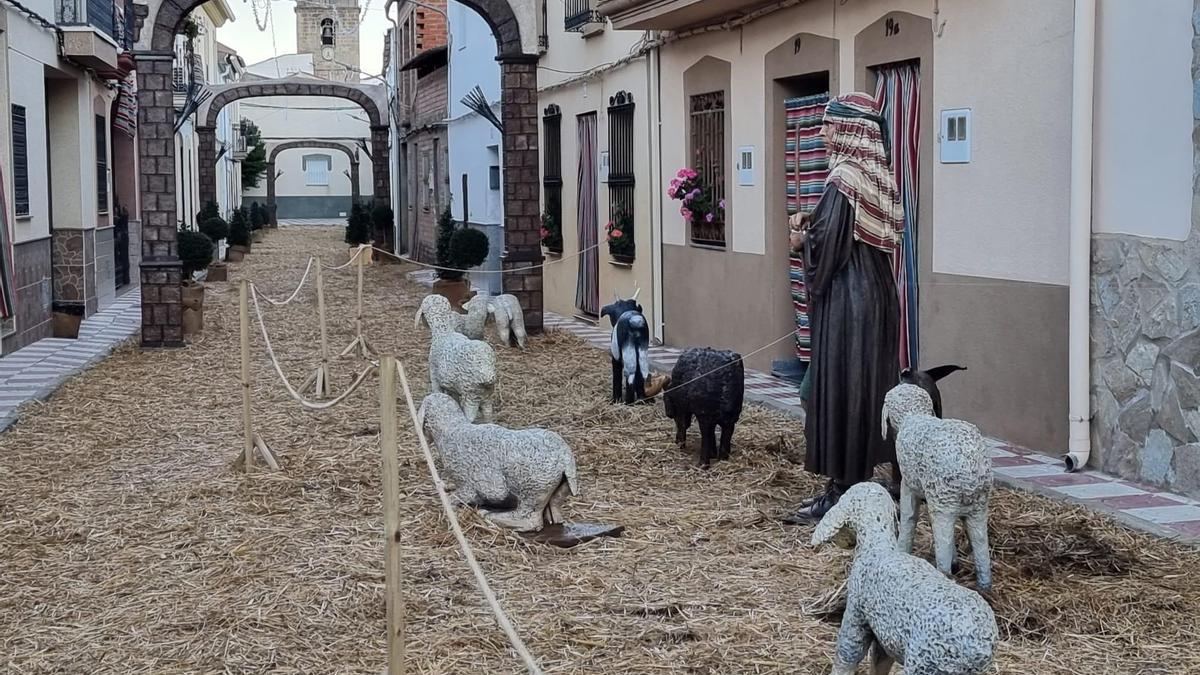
619,260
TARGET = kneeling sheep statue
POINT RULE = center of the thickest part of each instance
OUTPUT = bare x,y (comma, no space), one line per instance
518,478
899,605
710,385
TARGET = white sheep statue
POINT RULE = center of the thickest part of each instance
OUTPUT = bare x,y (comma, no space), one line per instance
899,604
504,309
517,478
945,464
464,368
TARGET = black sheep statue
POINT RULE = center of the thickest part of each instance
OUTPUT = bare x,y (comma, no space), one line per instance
630,349
927,380
709,384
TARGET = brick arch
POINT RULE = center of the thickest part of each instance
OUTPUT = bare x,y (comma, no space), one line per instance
160,267
304,145
253,89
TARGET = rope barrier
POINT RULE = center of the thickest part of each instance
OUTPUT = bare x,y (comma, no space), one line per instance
312,405
304,278
357,252
479,271
480,579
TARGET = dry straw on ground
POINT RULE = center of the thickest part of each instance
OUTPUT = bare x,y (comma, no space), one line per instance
129,545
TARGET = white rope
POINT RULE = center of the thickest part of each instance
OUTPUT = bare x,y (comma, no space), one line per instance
357,252
479,271
480,579
312,405
280,303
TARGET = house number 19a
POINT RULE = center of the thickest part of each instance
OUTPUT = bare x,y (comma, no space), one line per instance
891,28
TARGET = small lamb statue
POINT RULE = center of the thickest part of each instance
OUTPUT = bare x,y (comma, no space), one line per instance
899,604
505,309
945,464
709,384
464,368
630,349
517,478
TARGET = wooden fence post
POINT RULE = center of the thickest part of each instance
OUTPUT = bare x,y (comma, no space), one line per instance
391,515
247,429
318,382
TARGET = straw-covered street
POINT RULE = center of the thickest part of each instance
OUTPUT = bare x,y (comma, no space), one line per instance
132,545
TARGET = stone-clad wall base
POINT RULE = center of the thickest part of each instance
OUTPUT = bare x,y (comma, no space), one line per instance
31,294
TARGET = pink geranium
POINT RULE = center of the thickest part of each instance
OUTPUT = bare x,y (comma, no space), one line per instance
721,203
685,213
709,218
616,234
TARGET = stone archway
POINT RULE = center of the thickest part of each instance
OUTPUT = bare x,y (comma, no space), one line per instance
371,98
299,145
514,24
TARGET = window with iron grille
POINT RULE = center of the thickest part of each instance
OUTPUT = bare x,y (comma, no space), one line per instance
621,179
20,160
578,14
707,147
101,164
316,169
552,168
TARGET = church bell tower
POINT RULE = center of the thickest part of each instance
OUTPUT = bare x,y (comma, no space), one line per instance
328,30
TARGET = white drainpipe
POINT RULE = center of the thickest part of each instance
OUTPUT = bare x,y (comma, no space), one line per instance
1079,407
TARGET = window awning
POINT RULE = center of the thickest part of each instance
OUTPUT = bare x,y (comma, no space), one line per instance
427,61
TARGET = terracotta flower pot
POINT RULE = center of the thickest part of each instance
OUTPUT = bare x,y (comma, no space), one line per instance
218,272
236,253
192,300
457,291
67,319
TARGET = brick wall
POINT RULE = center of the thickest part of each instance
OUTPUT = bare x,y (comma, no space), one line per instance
430,26
431,98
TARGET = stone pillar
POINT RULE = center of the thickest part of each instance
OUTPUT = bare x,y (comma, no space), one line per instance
160,270
271,193
522,209
206,158
381,180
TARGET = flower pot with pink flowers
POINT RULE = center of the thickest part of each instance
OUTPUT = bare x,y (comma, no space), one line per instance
700,206
619,233
552,234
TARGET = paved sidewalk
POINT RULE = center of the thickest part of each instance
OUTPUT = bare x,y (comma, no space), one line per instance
36,371
1140,507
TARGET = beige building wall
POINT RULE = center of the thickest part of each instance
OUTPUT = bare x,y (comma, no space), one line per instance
573,53
992,233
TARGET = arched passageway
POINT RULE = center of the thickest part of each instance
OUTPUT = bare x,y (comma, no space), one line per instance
161,276
275,148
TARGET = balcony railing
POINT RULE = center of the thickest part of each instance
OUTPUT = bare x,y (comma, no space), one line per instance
99,14
580,13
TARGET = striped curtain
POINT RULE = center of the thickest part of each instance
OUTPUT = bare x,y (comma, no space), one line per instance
806,166
6,256
899,87
587,286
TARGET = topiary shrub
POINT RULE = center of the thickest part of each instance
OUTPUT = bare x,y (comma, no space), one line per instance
215,228
468,248
239,229
358,226
210,210
195,252
445,230
258,216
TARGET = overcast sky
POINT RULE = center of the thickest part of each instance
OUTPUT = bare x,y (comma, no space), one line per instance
243,35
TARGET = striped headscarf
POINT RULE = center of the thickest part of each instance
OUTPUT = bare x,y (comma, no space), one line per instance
861,170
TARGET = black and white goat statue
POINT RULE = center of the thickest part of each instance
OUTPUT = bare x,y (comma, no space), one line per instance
708,384
630,349
927,380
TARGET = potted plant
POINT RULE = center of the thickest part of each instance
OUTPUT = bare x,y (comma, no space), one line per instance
239,237
552,234
458,249
358,226
258,220
382,220
619,233
68,316
195,253
699,206
216,229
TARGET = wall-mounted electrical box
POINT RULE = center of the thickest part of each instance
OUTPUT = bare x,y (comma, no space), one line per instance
604,166
745,165
955,135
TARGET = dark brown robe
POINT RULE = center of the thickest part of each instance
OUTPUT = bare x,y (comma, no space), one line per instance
855,317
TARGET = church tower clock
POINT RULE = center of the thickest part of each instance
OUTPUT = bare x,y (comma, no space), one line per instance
328,30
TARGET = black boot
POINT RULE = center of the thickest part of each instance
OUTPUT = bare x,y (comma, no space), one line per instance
813,510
